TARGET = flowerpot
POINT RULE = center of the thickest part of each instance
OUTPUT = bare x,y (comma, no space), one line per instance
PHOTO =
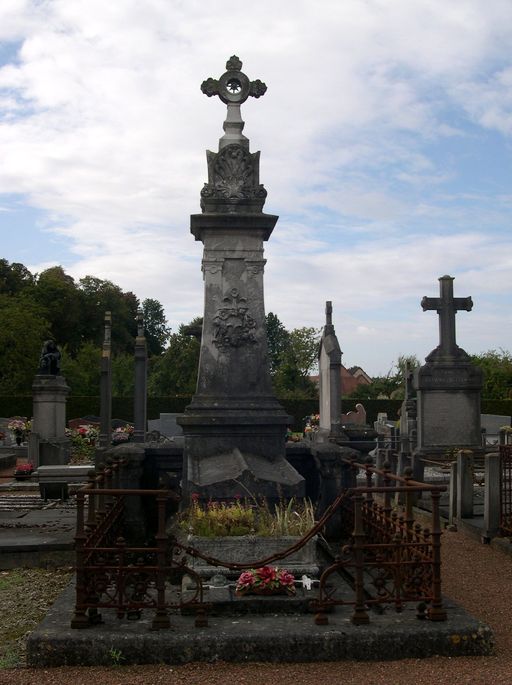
18,440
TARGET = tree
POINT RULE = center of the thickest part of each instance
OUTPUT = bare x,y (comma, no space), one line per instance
497,368
100,296
155,323
60,300
278,340
82,370
21,337
297,361
14,277
175,371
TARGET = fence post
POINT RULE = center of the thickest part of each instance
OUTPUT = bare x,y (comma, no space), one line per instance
360,616
161,619
465,484
436,611
80,619
452,507
492,498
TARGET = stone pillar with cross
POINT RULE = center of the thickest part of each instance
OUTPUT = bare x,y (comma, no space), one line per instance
329,378
448,386
234,429
141,375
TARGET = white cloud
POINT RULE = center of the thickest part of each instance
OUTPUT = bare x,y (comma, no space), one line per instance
102,125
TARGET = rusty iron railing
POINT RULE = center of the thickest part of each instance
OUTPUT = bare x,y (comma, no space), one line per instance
391,559
506,489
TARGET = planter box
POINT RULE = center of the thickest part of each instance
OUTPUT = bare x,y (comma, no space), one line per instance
247,549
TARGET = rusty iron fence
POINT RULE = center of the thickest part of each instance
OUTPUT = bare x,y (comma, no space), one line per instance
388,558
505,489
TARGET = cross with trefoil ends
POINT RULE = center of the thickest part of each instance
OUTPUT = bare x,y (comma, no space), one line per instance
233,88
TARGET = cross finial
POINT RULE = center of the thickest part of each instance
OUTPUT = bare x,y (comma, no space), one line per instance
233,88
328,313
446,306
140,323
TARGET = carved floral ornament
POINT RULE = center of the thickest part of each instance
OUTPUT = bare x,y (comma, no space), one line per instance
233,176
233,326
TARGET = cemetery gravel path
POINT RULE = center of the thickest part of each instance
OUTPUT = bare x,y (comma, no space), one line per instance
477,576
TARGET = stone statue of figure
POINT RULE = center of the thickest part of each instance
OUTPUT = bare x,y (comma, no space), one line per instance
49,362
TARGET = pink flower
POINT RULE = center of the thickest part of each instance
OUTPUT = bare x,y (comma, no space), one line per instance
267,574
286,578
194,497
246,579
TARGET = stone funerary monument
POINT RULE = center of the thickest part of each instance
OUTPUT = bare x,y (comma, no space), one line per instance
234,428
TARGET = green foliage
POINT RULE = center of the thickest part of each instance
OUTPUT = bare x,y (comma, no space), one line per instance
82,373
390,386
175,371
22,334
298,358
226,519
60,299
123,375
497,368
14,278
278,340
155,323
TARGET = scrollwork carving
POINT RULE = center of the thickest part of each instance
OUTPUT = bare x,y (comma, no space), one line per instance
233,326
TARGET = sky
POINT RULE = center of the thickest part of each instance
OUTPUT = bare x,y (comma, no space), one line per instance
385,138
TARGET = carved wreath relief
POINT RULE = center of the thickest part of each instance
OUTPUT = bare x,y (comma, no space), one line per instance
233,326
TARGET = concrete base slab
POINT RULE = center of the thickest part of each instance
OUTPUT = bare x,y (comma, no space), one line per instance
269,638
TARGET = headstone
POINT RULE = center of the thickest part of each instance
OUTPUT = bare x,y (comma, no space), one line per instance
141,375
234,427
106,385
166,425
447,387
329,367
491,424
48,444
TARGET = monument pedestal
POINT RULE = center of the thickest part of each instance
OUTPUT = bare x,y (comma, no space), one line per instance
48,444
234,429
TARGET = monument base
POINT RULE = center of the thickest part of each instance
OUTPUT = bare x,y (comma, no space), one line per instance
232,450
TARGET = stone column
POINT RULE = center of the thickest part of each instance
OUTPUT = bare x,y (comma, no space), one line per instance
106,386
141,374
329,368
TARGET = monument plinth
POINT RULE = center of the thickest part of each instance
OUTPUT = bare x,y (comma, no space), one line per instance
448,386
235,428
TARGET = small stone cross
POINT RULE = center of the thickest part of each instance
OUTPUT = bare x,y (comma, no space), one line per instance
447,306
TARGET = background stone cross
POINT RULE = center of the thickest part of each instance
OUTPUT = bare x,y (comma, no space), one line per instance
447,306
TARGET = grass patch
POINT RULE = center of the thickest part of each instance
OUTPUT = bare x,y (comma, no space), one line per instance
25,597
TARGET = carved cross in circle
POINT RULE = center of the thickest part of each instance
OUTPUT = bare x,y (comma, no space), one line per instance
233,86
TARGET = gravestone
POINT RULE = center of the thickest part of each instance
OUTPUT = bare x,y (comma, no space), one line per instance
447,387
234,427
47,443
492,423
329,373
166,425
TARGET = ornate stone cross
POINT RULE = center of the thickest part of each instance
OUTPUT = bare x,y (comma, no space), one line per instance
446,306
233,88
